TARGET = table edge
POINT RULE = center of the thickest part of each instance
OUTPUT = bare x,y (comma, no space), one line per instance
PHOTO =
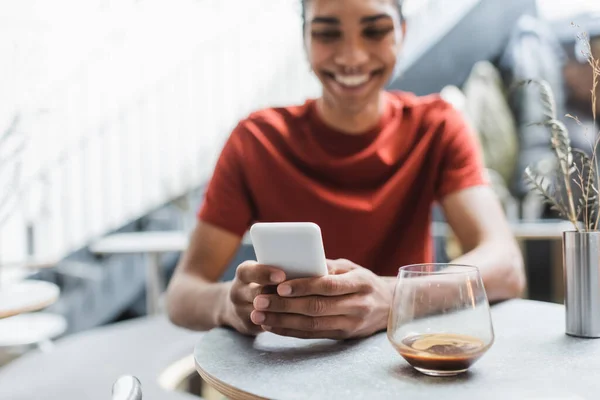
38,306
225,389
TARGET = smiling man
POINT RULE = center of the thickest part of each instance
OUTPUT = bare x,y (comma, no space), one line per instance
366,165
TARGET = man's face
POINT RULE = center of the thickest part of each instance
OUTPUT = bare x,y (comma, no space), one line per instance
352,46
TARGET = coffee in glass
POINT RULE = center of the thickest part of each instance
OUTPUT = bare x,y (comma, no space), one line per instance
440,320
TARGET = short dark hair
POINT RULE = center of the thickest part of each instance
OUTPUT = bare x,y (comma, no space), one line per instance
398,5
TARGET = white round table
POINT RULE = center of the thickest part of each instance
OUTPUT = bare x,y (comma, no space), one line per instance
531,358
10,276
26,296
31,329
151,245
522,230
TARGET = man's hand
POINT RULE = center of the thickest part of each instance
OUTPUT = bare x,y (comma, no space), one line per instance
250,280
350,302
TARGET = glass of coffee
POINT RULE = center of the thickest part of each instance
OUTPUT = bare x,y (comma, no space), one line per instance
440,319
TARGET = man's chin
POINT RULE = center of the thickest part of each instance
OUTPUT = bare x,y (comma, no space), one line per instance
355,106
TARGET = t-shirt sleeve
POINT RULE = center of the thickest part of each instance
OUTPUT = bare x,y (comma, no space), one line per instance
227,201
461,164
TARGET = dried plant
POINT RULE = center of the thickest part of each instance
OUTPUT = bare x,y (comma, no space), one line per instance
574,168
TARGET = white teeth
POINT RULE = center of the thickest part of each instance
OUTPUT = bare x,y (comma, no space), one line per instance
353,80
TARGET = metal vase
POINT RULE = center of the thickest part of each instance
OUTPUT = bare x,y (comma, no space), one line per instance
581,260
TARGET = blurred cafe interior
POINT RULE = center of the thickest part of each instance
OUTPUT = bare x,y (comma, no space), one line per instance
113,118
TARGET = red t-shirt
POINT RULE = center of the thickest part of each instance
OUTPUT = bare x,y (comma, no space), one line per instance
371,194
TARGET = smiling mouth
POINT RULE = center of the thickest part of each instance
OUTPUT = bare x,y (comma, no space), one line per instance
353,81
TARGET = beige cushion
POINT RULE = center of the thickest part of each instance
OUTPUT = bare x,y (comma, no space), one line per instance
488,112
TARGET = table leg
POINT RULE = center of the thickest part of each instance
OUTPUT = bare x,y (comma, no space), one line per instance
154,283
46,346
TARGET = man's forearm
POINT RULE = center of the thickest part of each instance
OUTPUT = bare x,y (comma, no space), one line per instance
501,269
196,304
500,266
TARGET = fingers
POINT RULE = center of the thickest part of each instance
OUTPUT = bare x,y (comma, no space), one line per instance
304,323
332,306
315,306
271,289
245,293
330,285
252,272
251,280
248,327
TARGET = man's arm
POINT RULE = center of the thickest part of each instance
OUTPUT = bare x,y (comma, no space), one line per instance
478,221
194,298
354,302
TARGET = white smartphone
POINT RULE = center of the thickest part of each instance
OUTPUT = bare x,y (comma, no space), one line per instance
295,247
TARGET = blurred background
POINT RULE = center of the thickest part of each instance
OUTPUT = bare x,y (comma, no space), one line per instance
112,115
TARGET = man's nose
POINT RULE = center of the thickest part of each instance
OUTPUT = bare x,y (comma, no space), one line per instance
351,53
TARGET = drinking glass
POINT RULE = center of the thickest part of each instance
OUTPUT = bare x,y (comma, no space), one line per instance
440,319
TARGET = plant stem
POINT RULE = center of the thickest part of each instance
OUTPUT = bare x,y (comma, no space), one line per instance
572,212
596,73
